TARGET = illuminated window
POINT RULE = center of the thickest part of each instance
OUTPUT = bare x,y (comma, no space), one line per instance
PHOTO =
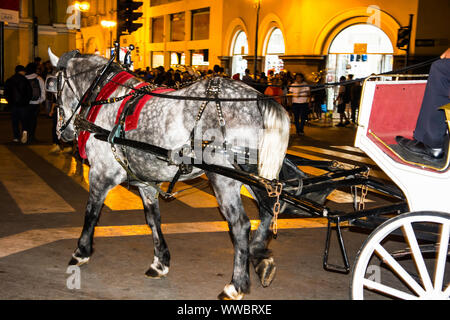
177,58
157,59
157,29
275,48
376,40
345,55
177,27
240,49
200,24
200,58
360,50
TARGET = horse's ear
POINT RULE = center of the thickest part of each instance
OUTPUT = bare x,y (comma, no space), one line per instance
53,58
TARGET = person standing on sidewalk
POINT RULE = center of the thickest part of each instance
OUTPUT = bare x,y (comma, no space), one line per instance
300,102
340,100
38,86
18,92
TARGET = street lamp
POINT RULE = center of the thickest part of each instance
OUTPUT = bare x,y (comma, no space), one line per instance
82,6
109,24
258,7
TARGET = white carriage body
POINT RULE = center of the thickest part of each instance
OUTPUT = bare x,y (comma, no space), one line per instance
424,189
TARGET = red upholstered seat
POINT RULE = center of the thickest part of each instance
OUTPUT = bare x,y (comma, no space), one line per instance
395,109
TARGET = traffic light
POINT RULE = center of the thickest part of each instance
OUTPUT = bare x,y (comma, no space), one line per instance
403,36
126,16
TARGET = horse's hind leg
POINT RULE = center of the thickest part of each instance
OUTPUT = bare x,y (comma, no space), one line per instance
228,196
260,255
98,189
161,259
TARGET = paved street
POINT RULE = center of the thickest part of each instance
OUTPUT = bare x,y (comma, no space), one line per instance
42,210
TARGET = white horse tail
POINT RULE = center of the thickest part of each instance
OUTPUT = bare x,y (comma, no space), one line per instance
274,139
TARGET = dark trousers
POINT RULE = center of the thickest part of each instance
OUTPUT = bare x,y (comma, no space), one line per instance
300,111
32,117
431,128
19,120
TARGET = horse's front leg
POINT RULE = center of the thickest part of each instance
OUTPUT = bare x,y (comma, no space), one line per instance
228,196
161,258
99,186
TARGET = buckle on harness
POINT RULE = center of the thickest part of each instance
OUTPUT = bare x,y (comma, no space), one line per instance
115,133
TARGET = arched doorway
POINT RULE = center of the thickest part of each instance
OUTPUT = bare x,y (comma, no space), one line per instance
240,49
275,48
359,50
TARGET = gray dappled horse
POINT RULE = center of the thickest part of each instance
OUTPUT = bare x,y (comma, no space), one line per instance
168,123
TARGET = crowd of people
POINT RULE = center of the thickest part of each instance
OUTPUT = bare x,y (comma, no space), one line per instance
300,98
25,92
26,96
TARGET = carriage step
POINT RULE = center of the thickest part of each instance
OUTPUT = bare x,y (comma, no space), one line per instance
345,268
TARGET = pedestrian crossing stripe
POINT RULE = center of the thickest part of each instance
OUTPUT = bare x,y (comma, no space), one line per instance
122,199
348,156
119,198
30,239
297,151
30,193
350,148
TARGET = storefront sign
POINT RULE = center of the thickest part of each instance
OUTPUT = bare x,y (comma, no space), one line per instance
360,48
9,11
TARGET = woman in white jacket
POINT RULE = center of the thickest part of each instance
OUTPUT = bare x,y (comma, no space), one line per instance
32,112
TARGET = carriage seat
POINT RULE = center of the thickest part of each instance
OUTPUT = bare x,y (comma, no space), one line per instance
395,109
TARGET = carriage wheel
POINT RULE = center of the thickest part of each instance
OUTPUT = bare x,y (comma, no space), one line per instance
405,258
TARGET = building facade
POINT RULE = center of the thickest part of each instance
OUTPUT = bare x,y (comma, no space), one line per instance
42,23
338,37
349,36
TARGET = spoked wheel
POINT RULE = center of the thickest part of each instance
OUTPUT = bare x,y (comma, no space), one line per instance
406,257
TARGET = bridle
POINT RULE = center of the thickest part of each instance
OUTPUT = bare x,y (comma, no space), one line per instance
62,79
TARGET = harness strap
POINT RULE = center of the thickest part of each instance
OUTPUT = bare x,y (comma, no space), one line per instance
212,90
89,91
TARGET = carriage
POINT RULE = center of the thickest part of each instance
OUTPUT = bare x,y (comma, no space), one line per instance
272,177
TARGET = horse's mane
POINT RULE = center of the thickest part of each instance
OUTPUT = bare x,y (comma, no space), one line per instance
76,54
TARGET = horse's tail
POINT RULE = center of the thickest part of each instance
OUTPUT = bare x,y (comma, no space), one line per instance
274,139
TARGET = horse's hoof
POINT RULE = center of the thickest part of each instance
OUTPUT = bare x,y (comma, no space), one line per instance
78,261
266,270
157,270
230,293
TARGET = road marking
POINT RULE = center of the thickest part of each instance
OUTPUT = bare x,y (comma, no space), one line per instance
337,154
373,172
194,197
31,193
35,238
350,148
119,198
337,196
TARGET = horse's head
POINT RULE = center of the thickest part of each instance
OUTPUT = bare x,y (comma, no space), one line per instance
74,74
